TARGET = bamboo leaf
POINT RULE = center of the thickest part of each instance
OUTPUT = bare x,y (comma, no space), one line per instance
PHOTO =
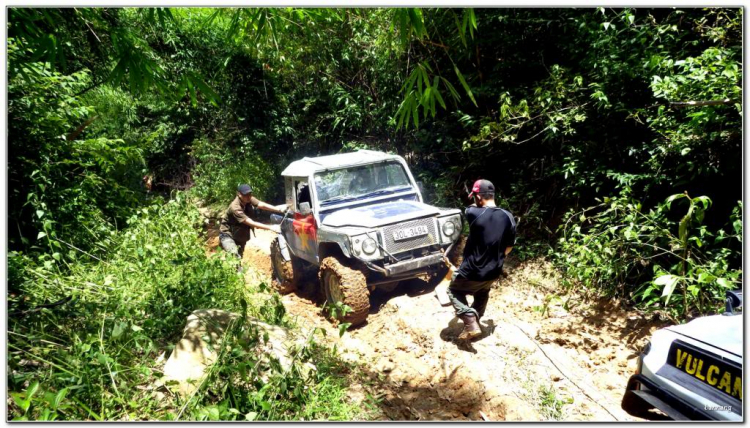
400,114
432,101
415,114
461,32
211,18
425,78
451,89
134,78
473,22
210,93
420,80
118,71
440,99
465,85
404,18
415,16
191,89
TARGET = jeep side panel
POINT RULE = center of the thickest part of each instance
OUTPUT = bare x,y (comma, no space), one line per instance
300,231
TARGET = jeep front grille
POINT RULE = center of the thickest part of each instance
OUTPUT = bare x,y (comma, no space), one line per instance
395,247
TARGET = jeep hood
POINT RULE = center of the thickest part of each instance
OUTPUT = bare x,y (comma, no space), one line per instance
721,331
377,215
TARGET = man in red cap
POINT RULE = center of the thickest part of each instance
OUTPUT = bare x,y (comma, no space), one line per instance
492,234
236,222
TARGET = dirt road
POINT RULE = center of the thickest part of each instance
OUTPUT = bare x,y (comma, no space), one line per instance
528,365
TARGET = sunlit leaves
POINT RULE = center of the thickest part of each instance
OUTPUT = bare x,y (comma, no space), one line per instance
423,90
409,23
617,244
669,282
418,91
50,36
714,75
139,70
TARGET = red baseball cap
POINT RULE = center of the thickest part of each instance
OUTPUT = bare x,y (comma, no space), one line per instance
482,186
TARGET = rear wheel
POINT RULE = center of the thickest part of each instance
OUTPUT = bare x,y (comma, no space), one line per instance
286,273
342,284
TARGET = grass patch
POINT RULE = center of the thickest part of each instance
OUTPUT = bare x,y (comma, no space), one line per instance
94,354
545,398
550,405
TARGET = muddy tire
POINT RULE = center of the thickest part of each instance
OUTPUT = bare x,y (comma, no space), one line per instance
286,273
343,284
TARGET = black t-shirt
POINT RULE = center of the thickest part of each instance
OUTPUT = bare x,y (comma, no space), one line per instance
491,231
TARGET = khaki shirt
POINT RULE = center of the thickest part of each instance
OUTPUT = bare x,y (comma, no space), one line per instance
232,222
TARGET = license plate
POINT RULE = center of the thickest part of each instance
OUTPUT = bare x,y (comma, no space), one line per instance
409,232
719,373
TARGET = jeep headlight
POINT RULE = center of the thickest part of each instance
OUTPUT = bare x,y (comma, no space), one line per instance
369,246
449,228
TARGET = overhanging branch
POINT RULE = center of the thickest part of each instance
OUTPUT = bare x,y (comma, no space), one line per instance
702,103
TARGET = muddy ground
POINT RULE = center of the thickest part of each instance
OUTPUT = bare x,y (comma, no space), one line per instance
539,358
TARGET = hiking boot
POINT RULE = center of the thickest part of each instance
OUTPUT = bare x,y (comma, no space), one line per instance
471,327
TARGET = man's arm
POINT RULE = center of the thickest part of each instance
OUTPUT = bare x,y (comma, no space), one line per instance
275,209
508,250
272,227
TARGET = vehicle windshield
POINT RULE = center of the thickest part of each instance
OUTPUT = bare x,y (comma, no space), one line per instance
358,181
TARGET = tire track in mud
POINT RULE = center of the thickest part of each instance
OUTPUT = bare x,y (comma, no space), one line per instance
414,368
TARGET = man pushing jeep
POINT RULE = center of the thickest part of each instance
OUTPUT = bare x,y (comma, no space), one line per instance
492,234
236,222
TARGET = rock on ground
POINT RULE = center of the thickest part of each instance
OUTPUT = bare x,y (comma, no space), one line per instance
202,337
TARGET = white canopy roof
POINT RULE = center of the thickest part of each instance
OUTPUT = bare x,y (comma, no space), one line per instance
308,166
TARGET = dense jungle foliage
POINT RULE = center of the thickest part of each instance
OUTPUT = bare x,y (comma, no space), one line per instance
614,135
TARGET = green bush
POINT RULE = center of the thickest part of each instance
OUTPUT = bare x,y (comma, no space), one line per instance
65,184
650,257
84,340
220,170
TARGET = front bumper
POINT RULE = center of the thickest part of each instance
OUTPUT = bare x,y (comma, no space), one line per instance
412,265
643,394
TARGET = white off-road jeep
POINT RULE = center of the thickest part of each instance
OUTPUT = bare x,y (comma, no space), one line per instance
691,371
359,220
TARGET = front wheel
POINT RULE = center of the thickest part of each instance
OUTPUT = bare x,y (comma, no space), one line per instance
347,286
286,273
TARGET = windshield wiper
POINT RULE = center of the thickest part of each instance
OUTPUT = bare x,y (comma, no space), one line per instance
336,198
384,191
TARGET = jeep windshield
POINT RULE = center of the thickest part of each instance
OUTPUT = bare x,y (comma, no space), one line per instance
360,182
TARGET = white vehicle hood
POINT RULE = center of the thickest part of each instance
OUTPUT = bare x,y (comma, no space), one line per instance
377,215
721,331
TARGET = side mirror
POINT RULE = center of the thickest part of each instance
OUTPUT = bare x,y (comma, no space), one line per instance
734,301
276,219
304,208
